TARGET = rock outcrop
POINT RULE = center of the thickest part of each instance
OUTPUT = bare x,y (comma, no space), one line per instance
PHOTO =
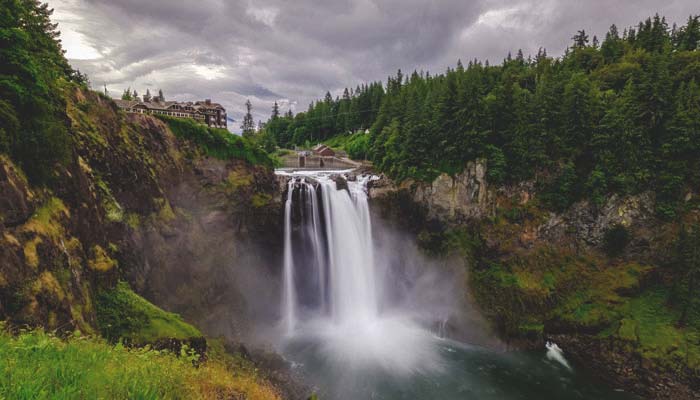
457,198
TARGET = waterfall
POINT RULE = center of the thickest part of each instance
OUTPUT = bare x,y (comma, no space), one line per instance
289,294
336,264
332,288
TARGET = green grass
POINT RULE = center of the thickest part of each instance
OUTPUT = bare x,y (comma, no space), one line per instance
122,314
525,293
650,324
37,365
218,143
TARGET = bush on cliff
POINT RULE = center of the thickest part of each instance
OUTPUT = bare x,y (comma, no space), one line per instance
218,143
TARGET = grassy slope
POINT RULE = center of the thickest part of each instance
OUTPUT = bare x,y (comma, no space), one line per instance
36,365
122,314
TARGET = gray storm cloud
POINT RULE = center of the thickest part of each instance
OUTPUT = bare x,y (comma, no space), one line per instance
295,51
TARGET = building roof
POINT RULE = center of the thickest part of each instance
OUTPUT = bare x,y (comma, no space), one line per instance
209,105
125,103
158,105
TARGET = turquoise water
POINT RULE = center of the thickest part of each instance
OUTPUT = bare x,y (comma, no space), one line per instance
463,372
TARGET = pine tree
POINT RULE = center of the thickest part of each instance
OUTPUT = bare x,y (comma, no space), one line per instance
248,125
147,96
161,97
613,47
275,111
580,39
687,38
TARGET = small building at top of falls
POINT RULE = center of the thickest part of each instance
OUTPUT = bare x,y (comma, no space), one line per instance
323,150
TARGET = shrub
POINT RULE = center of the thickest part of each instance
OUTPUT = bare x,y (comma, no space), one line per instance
218,143
358,146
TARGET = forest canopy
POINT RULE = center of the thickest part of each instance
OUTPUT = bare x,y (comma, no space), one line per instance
617,115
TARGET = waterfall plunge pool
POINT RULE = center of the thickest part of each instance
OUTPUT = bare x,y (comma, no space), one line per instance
463,372
346,341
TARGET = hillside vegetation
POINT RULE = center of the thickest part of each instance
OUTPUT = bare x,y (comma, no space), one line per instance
81,184
616,115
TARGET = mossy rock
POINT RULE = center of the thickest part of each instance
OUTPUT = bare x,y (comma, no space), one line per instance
100,261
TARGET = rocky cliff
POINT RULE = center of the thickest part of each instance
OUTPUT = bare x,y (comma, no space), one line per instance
595,278
194,234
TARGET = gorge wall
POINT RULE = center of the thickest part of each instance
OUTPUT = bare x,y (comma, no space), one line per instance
194,234
594,278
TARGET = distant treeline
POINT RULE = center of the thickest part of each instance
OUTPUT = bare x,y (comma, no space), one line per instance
621,115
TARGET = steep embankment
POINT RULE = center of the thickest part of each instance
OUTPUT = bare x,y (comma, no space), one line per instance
598,280
177,215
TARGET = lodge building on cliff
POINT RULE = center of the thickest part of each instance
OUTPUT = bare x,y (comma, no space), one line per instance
206,112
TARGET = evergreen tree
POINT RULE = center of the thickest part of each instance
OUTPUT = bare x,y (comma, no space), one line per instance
687,38
580,39
147,97
275,111
613,47
161,97
248,125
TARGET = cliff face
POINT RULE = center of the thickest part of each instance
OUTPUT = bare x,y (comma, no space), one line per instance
596,279
467,197
135,203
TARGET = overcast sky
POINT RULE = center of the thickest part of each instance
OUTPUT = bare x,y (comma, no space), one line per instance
294,51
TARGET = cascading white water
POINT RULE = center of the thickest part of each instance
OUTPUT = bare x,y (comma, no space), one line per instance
289,295
338,224
351,267
332,287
